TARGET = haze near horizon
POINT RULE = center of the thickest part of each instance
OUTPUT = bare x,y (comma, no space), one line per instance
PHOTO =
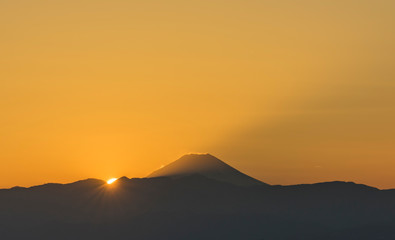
287,92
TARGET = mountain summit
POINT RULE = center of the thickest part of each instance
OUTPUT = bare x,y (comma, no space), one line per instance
205,165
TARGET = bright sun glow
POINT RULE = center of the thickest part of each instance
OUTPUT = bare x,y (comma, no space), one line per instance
112,180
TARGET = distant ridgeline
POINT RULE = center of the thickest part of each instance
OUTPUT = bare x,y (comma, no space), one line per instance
197,197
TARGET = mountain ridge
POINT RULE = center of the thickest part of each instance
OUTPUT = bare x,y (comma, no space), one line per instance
194,206
203,171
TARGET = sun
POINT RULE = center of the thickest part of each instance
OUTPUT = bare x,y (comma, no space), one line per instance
111,180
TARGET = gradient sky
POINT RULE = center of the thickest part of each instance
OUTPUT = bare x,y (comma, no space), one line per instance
286,91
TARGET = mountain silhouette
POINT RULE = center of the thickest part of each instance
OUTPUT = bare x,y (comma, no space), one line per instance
205,165
196,205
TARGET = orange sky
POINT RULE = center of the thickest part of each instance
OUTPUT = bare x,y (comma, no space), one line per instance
286,91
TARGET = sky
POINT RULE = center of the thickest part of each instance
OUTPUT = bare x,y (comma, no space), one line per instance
287,91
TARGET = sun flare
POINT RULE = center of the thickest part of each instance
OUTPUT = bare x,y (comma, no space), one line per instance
110,181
